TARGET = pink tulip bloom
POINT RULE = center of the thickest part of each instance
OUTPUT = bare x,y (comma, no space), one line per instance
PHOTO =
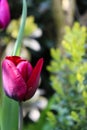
20,79
4,14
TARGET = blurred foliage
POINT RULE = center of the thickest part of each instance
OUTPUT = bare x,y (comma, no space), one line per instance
14,25
69,80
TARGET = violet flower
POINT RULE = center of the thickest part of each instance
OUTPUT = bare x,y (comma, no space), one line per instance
20,79
4,14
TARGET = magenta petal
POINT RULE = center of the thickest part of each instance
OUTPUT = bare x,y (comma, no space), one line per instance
4,14
25,69
34,79
13,82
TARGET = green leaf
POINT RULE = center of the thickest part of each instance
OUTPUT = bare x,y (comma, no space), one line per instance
9,114
75,116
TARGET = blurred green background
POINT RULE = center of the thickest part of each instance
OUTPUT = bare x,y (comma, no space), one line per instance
55,30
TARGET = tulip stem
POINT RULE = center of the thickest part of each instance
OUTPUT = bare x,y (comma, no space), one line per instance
20,123
18,43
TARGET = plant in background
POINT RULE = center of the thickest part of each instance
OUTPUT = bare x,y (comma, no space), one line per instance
4,14
68,77
13,27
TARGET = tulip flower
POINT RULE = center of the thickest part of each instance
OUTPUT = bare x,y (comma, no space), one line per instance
20,79
4,14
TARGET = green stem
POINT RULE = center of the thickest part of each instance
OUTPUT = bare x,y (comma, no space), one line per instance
18,43
20,123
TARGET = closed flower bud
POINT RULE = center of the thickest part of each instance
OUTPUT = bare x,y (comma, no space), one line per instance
4,14
20,79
